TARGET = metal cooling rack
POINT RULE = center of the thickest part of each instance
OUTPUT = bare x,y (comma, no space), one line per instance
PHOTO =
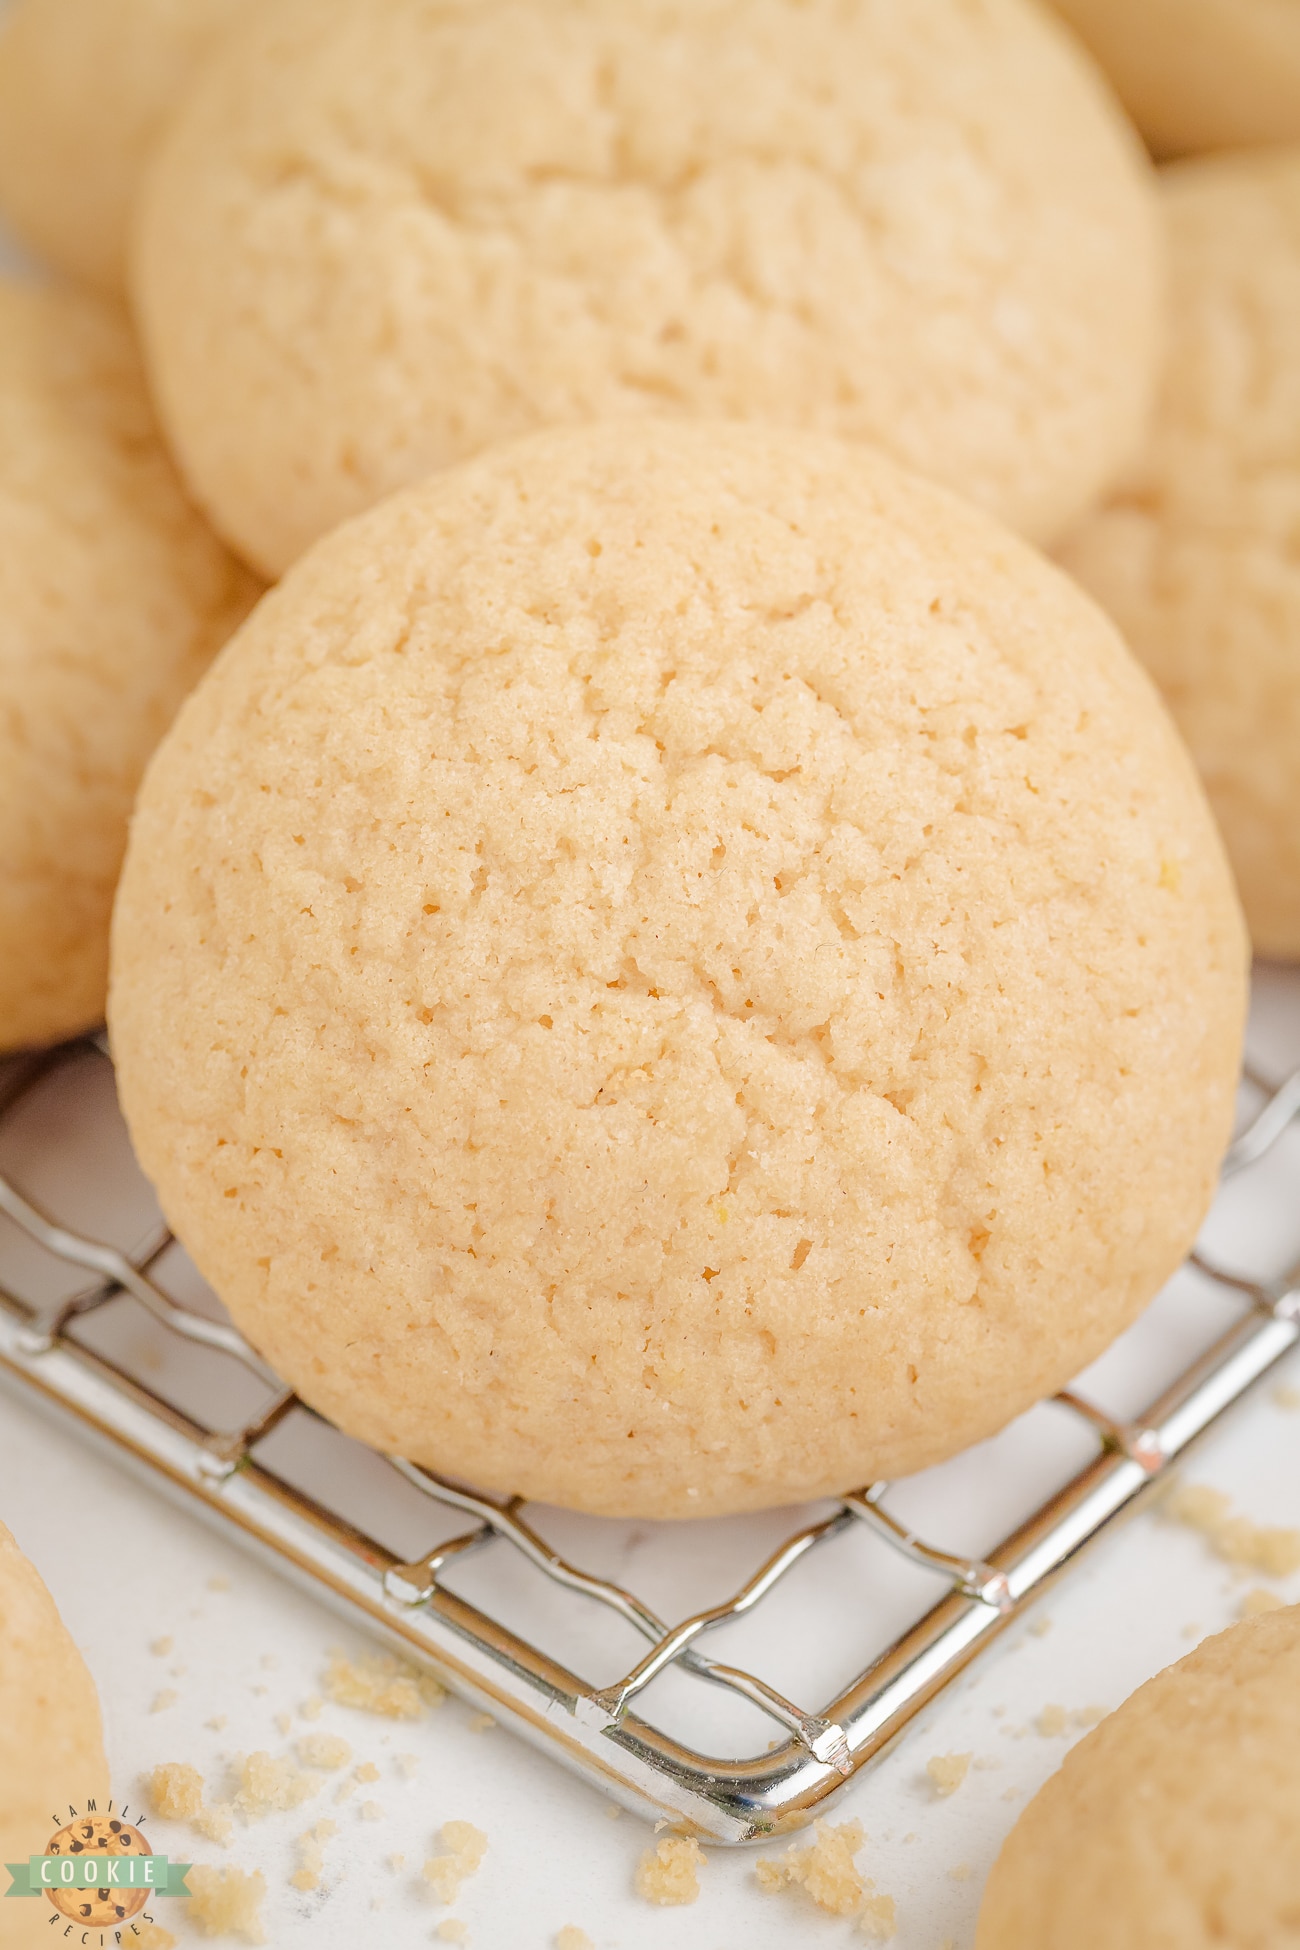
226,1468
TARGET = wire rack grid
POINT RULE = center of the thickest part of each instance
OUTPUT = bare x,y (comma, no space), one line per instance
226,1467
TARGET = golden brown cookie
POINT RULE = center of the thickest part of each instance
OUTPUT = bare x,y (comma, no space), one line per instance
1176,1824
384,234
1199,74
51,1740
677,967
1198,559
114,596
85,87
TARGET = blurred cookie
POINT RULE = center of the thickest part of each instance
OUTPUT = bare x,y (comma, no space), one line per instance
85,87
1198,560
114,596
1176,1824
383,235
51,1738
1199,74
676,968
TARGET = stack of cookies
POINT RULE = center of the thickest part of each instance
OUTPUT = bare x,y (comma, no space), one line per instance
675,962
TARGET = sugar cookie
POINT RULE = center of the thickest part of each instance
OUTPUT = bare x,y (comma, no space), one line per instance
1198,560
1176,1824
383,234
113,598
674,968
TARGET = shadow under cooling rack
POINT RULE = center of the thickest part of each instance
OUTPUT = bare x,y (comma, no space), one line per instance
689,1695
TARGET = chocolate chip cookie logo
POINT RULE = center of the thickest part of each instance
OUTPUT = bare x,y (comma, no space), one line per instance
98,1871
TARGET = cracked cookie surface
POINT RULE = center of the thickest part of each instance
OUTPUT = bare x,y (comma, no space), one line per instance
676,968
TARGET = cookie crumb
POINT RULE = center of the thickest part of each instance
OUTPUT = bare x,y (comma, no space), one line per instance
613,1812
962,1872
379,1683
1088,1716
947,1772
175,1791
311,1854
324,1750
572,1938
1286,1396
1258,1600
1051,1721
1040,1627
481,1723
283,1723
311,1707
226,1902
161,1647
365,1771
407,1766
218,1583
148,1935
1256,1547
667,1873
217,1723
452,1931
826,1869
465,1848
879,1919
161,1701
216,1823
371,1811
267,1786
396,1863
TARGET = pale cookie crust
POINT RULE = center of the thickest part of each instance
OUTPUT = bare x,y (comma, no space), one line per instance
1199,74
677,968
51,1740
1198,560
384,234
114,596
85,88
1176,1824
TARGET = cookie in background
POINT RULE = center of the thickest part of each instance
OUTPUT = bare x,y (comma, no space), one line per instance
1176,1824
85,88
1198,559
381,235
114,597
1198,74
676,968
51,1737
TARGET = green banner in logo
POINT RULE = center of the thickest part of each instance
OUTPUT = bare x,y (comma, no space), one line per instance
40,1874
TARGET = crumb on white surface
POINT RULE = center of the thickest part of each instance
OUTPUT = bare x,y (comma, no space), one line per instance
572,1938
267,1784
161,1647
175,1790
311,1854
328,1751
1052,1720
372,1811
148,1935
667,1873
1269,1548
377,1682
218,1583
162,1700
464,1846
962,1872
452,1930
345,1789
1088,1716
407,1765
986,1763
216,1823
612,1811
311,1707
283,1723
1040,1627
947,1772
1259,1600
481,1722
226,1902
365,1770
396,1863
878,1919
217,1723
1286,1396
1012,1793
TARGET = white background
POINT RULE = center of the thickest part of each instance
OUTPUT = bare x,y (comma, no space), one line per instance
255,1647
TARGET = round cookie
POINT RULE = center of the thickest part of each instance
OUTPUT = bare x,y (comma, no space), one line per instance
676,968
85,87
1175,1825
51,1738
1197,560
1199,74
383,235
114,596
